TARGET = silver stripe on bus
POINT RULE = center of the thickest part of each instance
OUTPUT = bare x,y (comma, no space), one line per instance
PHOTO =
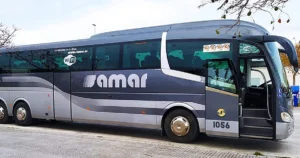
138,93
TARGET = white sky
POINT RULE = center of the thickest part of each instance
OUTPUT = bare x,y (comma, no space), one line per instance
60,20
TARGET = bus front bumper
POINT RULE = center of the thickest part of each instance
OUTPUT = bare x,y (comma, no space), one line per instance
284,129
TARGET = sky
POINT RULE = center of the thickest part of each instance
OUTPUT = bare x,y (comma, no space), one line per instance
60,20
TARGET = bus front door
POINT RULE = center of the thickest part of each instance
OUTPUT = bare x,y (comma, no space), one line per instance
222,110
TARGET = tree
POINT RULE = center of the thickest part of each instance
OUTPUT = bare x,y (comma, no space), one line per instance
248,8
6,36
288,66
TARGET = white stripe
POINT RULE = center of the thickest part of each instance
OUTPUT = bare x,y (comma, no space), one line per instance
163,52
183,75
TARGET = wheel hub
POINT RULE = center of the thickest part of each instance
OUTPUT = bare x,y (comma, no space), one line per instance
180,126
2,114
21,114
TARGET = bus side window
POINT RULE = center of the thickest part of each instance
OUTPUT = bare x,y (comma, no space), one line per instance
220,76
28,61
4,63
82,59
76,59
57,61
141,55
107,57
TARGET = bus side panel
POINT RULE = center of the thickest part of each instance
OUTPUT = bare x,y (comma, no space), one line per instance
62,99
4,94
33,88
110,105
98,98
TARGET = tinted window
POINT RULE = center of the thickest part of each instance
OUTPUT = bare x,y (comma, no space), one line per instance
220,76
29,61
191,56
107,57
248,49
4,62
141,55
75,59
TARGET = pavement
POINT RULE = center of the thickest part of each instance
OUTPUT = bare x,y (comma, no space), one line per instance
82,140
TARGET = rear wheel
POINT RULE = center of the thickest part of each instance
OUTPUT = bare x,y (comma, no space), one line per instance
22,114
3,114
181,126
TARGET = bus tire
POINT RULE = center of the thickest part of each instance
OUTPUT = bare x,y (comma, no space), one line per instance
4,118
22,114
181,126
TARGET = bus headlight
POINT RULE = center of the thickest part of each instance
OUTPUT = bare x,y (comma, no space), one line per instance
286,117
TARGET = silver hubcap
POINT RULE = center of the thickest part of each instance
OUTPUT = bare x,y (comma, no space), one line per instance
2,114
21,114
180,126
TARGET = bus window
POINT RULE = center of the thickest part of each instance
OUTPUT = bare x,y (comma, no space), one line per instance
141,55
77,59
220,76
248,49
107,57
190,56
29,61
4,62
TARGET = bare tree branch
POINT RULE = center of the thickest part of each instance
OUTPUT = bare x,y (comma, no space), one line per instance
6,36
248,7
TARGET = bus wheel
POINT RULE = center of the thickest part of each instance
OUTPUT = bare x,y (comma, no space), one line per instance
181,126
3,114
22,114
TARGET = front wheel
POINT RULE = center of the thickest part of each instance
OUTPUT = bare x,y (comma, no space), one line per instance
22,114
181,126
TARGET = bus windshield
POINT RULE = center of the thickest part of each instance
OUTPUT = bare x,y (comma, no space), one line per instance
279,69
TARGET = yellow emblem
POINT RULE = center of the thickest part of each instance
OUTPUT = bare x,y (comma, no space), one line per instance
221,112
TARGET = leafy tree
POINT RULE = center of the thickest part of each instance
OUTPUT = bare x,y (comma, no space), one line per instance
288,66
6,36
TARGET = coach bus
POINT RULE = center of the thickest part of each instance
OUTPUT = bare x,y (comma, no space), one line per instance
183,79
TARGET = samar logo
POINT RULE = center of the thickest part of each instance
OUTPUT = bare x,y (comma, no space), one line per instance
221,112
70,60
116,81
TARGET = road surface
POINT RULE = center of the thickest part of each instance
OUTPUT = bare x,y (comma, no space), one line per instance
82,140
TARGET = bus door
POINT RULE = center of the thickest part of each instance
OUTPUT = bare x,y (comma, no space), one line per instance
61,86
62,99
222,109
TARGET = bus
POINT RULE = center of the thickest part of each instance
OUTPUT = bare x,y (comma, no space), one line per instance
183,79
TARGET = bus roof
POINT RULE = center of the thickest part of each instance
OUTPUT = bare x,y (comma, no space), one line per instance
187,30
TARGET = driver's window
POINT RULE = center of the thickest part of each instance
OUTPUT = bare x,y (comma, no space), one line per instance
220,76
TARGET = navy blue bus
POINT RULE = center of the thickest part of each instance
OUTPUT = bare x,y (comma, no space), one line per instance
183,79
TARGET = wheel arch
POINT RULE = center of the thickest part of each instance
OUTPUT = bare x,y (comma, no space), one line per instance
18,100
175,106
4,102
